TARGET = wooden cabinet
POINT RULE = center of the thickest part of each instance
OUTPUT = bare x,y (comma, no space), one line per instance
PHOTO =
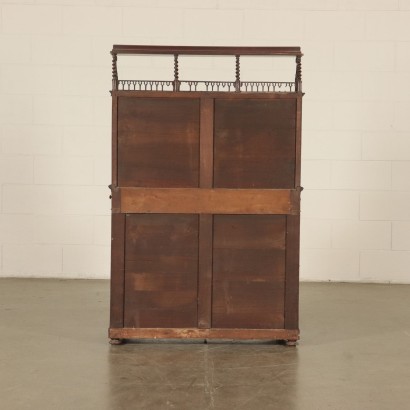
205,203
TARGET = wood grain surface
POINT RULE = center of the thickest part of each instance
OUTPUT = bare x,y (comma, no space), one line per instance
161,270
206,204
158,142
117,270
248,271
254,143
194,333
208,201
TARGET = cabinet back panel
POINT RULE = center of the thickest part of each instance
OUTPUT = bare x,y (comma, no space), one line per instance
161,270
248,271
254,143
158,142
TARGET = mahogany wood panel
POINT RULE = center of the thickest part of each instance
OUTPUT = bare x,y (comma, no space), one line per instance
193,333
205,50
249,271
206,142
205,271
205,220
158,142
208,201
117,270
298,142
205,203
161,270
254,143
292,271
114,142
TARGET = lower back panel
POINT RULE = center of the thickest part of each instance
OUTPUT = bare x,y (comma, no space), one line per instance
248,271
161,269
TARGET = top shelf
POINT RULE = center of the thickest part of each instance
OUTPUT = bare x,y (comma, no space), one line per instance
235,85
208,51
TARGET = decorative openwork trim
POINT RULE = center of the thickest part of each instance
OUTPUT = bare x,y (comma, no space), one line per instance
227,86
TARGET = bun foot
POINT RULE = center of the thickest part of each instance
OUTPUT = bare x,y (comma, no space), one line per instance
291,342
116,342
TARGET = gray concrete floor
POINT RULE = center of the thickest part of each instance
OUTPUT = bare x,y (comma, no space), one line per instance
354,353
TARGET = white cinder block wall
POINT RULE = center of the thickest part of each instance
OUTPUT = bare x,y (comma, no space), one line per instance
55,73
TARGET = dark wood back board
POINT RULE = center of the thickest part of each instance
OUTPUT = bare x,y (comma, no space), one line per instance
206,194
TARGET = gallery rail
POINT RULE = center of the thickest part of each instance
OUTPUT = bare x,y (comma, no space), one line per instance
178,85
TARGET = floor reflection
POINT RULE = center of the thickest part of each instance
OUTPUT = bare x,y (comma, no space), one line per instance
204,376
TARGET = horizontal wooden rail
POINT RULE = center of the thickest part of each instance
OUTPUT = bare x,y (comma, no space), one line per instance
175,333
201,50
208,201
